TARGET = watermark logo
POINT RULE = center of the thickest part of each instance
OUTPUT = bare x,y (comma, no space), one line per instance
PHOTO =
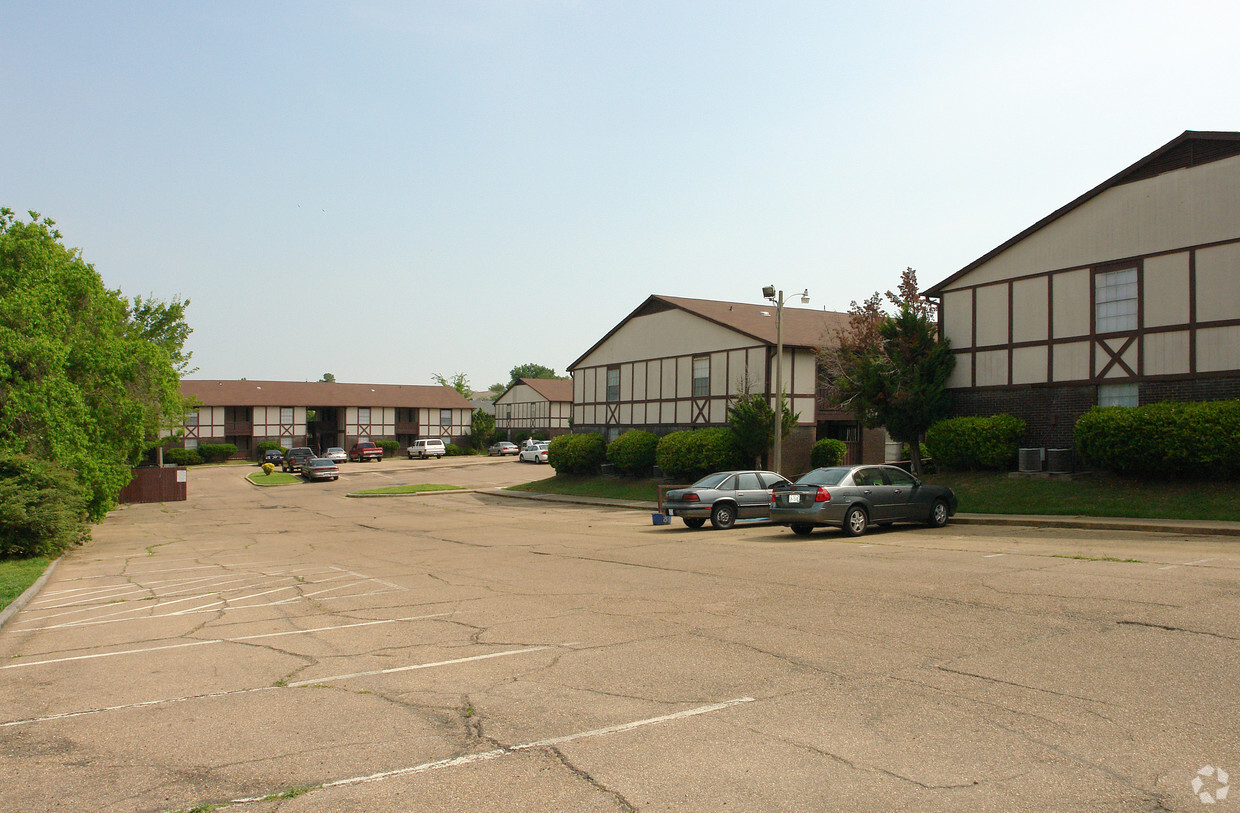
1210,785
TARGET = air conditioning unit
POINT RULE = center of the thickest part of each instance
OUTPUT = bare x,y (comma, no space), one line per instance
1059,461
1031,459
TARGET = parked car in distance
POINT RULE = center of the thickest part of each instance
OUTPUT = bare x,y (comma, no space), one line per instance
336,455
320,468
534,453
427,447
366,450
295,457
274,456
502,448
723,498
854,497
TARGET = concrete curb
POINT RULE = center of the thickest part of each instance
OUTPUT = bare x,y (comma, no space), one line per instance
27,594
1162,526
359,496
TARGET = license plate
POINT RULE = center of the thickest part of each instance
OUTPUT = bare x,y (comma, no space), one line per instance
794,498
671,513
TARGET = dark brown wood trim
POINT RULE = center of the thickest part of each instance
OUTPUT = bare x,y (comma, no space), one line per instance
1086,382
973,343
1192,311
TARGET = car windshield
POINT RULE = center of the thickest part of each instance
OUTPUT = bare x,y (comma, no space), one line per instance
711,480
824,477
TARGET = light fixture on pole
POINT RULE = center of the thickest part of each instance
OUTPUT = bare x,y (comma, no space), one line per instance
778,298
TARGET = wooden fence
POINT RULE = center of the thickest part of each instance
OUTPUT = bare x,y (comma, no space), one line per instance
150,484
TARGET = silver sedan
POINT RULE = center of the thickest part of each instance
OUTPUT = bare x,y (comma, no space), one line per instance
854,497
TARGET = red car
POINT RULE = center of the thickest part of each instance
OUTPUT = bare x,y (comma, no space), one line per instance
365,450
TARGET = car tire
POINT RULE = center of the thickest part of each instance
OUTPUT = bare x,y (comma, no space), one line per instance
723,517
802,530
938,514
694,522
855,521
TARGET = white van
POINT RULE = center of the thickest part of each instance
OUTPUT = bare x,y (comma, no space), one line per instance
427,447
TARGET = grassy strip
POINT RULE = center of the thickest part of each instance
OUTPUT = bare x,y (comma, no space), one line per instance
1102,496
276,478
416,488
18,574
997,493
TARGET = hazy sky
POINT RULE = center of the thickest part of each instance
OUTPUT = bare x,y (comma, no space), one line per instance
389,190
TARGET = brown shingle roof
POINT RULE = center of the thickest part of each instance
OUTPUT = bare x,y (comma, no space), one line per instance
553,389
803,327
318,393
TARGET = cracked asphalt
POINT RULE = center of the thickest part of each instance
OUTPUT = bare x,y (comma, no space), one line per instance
290,649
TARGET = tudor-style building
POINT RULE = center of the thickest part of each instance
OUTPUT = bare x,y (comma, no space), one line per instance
1129,294
320,414
677,363
535,405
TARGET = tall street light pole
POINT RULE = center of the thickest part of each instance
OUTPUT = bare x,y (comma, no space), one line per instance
778,298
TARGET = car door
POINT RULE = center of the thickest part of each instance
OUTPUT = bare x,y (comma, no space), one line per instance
873,489
752,500
903,505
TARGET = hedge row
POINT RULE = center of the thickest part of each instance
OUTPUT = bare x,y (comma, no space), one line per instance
1199,439
975,443
42,509
577,454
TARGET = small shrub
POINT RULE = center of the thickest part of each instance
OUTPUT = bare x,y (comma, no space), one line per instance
264,445
633,453
577,454
452,450
1199,439
216,452
42,509
268,468
690,454
389,447
182,457
975,443
828,452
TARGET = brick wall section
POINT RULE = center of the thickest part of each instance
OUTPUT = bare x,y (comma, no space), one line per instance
1050,413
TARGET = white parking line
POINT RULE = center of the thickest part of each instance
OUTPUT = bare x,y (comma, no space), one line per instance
230,692
993,555
1190,564
218,641
512,749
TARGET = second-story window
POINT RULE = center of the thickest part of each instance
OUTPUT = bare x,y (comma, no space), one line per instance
701,376
286,415
1115,300
445,417
613,384
363,415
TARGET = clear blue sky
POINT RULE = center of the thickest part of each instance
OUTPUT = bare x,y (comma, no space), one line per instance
390,190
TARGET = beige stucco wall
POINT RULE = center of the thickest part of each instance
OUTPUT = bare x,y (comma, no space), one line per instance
992,315
1071,300
1166,353
1029,310
958,318
1218,284
1218,349
1165,290
1071,361
1185,207
658,335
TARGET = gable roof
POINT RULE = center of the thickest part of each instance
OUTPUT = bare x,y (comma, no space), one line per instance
803,327
1189,149
552,389
320,393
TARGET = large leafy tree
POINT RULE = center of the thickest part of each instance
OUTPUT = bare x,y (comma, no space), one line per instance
458,382
891,369
88,377
481,428
530,371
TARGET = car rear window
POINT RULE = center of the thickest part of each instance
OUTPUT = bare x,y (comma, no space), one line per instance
711,480
823,477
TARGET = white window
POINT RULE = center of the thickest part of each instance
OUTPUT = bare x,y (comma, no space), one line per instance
1124,395
363,415
1115,300
701,377
191,443
613,384
191,418
286,415
445,417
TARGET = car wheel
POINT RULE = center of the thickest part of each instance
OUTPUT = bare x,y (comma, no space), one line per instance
694,522
802,530
855,521
938,514
723,516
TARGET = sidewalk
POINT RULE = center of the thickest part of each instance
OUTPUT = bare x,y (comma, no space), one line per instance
1162,526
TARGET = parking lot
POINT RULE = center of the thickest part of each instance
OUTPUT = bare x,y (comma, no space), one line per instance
293,649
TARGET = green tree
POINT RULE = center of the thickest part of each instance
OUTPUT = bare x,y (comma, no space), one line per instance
496,390
481,427
530,370
458,382
892,369
88,377
752,420
327,378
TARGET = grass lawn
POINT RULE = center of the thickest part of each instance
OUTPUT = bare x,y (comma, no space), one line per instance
416,488
276,478
996,493
18,574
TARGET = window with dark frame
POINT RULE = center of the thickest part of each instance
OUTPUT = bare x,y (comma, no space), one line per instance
701,376
613,384
1115,300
